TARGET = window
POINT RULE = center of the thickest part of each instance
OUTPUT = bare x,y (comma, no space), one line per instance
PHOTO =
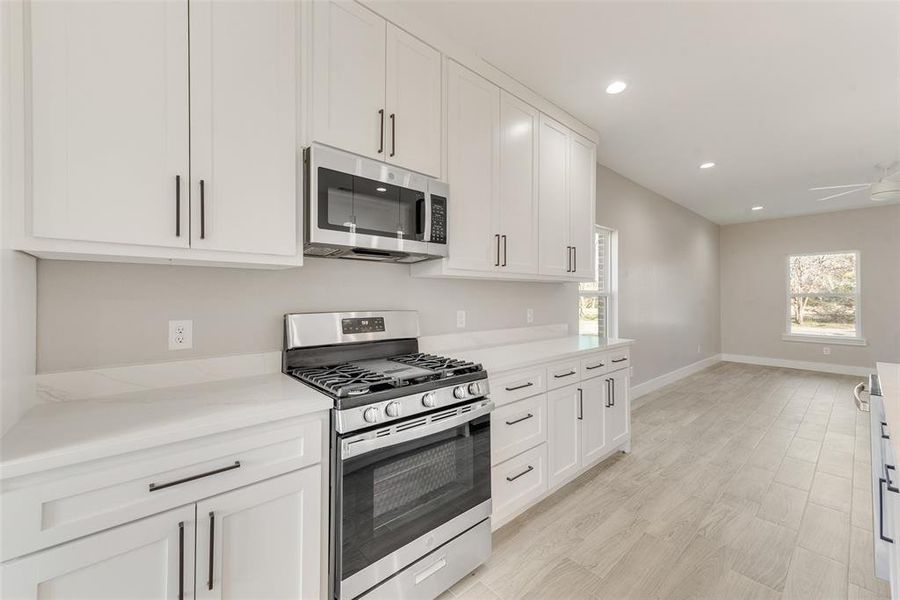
823,298
597,299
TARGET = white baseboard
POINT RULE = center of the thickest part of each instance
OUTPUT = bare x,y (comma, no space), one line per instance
798,364
665,379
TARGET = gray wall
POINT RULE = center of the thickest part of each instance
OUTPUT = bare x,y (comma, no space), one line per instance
754,284
101,314
668,276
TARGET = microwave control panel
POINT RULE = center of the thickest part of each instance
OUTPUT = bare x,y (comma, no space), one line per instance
438,219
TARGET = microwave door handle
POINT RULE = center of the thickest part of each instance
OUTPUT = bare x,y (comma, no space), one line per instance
351,448
426,231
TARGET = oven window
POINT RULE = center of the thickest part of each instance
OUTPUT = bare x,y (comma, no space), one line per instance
392,496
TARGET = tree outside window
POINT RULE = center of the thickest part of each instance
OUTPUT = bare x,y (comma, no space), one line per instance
823,297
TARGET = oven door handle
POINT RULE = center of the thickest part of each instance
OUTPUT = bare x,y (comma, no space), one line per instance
355,447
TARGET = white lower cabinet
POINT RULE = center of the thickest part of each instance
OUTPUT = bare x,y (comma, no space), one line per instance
150,558
261,541
518,482
541,440
564,434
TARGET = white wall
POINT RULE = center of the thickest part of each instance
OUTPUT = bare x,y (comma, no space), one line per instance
668,276
754,284
100,314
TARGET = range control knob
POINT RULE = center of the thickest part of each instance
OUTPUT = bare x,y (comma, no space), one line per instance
459,392
392,409
475,389
372,415
429,400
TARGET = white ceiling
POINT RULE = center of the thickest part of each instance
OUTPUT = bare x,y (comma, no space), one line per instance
782,96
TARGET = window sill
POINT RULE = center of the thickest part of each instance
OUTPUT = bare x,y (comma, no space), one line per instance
832,340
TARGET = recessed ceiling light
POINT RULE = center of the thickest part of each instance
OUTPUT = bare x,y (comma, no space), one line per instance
757,208
380,189
708,165
616,87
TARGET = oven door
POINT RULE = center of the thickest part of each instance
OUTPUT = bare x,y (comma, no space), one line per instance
405,489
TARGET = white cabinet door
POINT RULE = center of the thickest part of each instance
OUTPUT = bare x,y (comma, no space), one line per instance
593,419
563,434
554,253
582,199
263,540
109,116
348,78
518,197
413,101
618,414
244,146
150,558
473,117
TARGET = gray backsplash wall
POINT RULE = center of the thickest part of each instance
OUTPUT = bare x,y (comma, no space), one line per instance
92,314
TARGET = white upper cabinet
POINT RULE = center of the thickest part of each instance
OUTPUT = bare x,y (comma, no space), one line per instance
555,248
413,101
582,201
473,117
348,78
376,89
244,142
518,199
567,185
109,118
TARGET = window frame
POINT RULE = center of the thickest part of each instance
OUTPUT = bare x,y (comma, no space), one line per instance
612,273
825,338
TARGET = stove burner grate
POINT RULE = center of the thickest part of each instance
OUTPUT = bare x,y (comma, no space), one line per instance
345,379
444,366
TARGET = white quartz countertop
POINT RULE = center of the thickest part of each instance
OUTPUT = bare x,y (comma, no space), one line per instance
889,377
497,359
60,433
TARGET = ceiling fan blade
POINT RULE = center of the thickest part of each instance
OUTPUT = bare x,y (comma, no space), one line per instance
840,194
837,187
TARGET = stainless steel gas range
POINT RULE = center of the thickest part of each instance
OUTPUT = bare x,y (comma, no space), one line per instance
410,453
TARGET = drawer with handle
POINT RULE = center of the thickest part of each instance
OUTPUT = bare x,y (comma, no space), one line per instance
71,505
595,365
563,373
518,481
618,359
516,385
518,426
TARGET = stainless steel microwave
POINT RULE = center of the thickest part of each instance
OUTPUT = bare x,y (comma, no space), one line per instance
361,208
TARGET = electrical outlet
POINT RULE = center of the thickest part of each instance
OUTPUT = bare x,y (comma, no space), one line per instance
460,319
181,335
529,315
826,350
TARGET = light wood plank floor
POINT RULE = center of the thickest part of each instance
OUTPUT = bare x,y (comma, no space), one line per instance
743,482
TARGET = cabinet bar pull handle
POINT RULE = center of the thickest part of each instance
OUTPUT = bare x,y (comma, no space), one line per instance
889,484
504,249
497,239
525,472
612,385
574,259
561,375
608,393
884,436
393,134
178,206
181,561
202,209
520,387
881,483
519,420
597,366
159,486
212,538
568,259
580,404
381,135
618,360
